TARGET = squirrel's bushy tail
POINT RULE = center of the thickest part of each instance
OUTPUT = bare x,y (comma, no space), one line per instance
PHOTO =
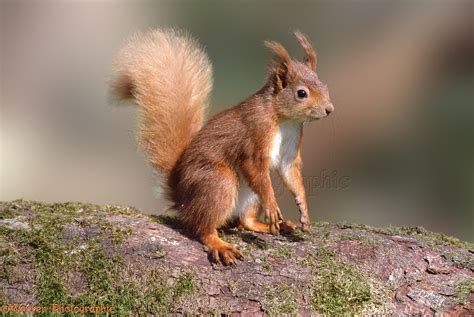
169,76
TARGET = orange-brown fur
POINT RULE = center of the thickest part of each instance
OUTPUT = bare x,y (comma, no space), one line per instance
169,77
250,221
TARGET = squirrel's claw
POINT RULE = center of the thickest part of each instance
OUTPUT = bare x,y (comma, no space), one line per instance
280,216
304,219
275,222
305,223
305,227
287,226
228,256
273,217
275,229
215,256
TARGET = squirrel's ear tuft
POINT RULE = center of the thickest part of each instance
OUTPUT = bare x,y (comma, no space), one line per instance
278,49
280,69
310,54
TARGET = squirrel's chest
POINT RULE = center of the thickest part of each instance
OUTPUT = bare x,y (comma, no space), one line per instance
285,144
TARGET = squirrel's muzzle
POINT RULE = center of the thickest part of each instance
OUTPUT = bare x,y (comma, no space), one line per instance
329,108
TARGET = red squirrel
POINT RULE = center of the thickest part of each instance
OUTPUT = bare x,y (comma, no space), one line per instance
220,171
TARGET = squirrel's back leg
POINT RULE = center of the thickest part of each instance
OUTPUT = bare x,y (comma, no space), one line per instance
219,249
210,207
249,221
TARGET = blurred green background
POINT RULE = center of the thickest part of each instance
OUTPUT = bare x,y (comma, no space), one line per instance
397,151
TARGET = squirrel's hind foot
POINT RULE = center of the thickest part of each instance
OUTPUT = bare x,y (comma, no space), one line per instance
229,256
220,251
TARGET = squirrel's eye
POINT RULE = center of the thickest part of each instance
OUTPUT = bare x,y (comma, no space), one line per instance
301,93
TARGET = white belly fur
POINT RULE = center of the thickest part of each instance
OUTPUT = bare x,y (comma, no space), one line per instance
285,145
245,199
282,153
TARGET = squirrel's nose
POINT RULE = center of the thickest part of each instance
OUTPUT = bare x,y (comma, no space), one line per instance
329,109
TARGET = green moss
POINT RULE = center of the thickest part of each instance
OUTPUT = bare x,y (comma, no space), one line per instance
253,241
163,294
7,214
225,237
165,219
346,225
104,277
119,235
260,244
232,285
3,296
461,261
429,238
463,289
57,208
5,232
127,296
12,253
48,250
320,224
363,240
67,207
116,209
102,274
283,252
322,235
51,258
281,300
338,287
51,288
9,258
108,284
185,285
266,266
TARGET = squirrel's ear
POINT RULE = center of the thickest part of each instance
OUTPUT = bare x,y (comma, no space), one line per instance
281,66
278,49
310,57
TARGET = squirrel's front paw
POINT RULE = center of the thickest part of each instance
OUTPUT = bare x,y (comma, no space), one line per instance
305,223
287,226
275,228
272,217
305,227
304,218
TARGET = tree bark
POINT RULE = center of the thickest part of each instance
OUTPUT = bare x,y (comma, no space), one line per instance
114,259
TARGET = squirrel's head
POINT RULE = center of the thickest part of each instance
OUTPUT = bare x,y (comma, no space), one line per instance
297,91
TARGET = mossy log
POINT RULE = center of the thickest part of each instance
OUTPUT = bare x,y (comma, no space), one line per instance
80,255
